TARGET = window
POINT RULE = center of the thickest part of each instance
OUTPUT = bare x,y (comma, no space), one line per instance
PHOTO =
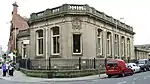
77,43
128,47
24,51
116,46
39,42
55,41
99,41
108,43
122,46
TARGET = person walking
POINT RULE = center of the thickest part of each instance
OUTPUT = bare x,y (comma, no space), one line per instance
7,67
11,69
4,70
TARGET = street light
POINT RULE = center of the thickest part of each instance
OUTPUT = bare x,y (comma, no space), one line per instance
116,34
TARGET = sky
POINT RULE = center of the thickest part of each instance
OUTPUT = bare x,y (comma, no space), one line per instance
136,13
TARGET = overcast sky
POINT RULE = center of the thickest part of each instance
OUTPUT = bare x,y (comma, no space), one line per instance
135,12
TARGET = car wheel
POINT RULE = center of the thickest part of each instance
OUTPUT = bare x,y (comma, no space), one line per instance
122,74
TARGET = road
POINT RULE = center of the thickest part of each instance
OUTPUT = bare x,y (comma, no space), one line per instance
139,78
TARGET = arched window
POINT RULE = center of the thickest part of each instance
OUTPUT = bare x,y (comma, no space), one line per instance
99,41
116,45
55,41
109,44
39,37
122,46
128,47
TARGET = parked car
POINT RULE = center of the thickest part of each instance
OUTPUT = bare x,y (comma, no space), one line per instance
117,67
144,64
134,67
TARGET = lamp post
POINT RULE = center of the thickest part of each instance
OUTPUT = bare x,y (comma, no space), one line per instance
116,34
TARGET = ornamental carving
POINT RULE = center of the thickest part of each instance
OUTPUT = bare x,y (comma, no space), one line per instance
76,23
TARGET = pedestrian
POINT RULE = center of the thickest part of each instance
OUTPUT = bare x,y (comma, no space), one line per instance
4,69
11,69
7,67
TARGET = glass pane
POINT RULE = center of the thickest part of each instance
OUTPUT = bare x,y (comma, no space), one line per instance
24,52
57,44
98,42
40,33
56,31
40,46
108,47
54,44
76,43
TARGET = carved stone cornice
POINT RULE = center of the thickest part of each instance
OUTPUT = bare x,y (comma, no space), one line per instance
80,10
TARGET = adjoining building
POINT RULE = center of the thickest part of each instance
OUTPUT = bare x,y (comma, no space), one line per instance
142,51
71,31
17,23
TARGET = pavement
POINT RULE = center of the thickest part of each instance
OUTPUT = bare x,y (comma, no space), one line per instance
20,77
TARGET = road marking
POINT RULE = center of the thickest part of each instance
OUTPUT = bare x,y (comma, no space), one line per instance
122,82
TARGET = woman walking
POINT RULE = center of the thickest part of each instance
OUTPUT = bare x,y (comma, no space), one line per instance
4,70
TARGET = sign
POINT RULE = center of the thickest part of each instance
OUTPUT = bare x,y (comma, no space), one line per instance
26,41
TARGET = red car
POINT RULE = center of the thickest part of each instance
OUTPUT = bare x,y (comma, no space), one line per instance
117,67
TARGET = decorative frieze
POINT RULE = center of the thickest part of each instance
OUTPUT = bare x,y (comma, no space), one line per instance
76,23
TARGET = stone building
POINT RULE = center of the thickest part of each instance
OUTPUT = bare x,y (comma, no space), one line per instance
72,31
142,51
17,23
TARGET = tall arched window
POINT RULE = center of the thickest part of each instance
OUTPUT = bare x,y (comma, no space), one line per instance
40,37
99,41
122,46
116,45
109,44
55,41
128,47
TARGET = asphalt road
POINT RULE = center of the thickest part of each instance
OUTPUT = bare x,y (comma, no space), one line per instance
139,78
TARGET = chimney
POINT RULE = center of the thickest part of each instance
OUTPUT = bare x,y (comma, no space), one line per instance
14,8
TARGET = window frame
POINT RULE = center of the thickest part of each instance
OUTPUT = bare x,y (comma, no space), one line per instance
99,39
37,40
110,46
128,47
52,40
116,45
81,46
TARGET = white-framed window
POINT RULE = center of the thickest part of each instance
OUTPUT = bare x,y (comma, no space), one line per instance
99,41
116,45
77,44
122,46
39,43
109,44
128,47
55,41
24,50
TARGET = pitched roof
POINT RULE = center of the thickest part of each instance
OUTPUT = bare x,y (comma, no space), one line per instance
19,22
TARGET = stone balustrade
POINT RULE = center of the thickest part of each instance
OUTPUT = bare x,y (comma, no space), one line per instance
73,8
